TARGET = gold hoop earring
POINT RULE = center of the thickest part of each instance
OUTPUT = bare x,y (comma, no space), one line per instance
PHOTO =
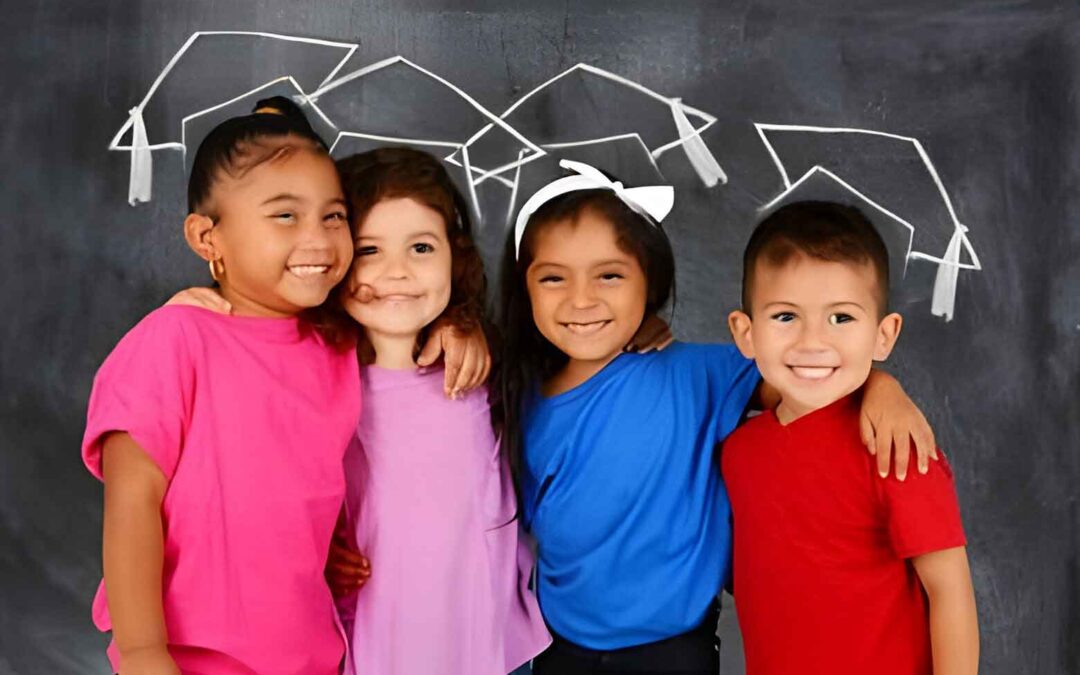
214,272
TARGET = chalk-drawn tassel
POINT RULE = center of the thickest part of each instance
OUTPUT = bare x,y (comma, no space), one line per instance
944,298
708,169
142,167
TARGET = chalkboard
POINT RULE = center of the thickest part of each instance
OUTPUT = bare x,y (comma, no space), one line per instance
986,90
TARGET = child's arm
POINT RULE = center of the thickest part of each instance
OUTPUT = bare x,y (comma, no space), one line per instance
133,556
890,420
954,624
465,353
467,357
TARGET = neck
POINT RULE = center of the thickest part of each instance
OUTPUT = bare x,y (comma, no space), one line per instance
574,373
242,305
392,351
786,414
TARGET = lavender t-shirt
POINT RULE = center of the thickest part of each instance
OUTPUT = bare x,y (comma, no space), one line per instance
432,506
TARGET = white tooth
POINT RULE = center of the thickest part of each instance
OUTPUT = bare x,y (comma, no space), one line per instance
812,372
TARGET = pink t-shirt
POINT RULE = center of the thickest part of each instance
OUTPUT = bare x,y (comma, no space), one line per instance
249,420
432,505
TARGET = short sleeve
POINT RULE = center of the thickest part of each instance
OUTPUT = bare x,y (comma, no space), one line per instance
732,381
145,388
922,512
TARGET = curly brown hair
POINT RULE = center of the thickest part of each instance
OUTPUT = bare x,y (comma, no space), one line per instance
398,172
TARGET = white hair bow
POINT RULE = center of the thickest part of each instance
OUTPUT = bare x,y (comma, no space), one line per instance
654,201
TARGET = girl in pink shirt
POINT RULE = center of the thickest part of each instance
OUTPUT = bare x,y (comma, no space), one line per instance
430,500
220,438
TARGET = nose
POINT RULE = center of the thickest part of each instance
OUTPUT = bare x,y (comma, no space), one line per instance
811,337
581,294
396,266
315,236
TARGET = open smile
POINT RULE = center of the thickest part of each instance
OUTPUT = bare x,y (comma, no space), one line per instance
308,271
586,329
812,373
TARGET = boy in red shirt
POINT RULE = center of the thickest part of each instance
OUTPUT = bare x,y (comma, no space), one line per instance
837,570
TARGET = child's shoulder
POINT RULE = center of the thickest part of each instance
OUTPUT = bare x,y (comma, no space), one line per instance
176,318
165,325
696,354
753,429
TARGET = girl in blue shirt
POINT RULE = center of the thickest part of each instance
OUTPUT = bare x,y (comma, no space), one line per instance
614,450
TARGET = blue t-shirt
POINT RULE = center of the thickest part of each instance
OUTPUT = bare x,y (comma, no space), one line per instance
623,493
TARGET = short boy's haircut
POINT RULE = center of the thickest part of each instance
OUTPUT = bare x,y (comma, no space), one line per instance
820,230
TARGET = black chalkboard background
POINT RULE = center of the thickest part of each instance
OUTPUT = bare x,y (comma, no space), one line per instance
989,88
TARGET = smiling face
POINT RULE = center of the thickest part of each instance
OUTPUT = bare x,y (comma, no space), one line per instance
588,295
815,330
281,232
403,257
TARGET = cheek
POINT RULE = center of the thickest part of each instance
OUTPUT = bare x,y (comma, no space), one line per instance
439,280
544,305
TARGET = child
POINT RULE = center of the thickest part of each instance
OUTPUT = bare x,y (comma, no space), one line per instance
220,438
619,482
836,571
430,499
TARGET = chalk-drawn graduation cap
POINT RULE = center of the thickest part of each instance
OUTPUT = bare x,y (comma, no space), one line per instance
211,76
892,180
397,102
584,107
625,159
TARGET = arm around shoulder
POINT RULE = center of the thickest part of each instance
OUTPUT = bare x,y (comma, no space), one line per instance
954,623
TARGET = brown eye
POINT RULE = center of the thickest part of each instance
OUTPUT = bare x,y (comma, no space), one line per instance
839,318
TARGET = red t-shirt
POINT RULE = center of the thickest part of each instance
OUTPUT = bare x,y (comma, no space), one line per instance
822,578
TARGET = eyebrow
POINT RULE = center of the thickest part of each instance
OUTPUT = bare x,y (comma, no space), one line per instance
289,197
283,197
831,305
414,235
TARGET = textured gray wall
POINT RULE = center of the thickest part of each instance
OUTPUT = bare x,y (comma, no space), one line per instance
990,88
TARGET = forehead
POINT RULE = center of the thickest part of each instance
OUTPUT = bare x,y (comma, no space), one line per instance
583,241
288,163
803,280
401,216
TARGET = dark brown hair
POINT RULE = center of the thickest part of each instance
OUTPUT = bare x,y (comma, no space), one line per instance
398,172
239,144
820,230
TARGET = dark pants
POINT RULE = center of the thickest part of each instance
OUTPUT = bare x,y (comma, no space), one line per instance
696,652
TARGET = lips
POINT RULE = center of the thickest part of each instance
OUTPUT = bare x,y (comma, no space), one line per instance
308,271
585,329
397,297
814,373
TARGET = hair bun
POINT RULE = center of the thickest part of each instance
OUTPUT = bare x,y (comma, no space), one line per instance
279,105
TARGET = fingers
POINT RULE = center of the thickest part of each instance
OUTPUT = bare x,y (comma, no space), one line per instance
924,449
866,432
471,364
666,343
883,450
346,570
485,372
207,298
453,367
901,453
346,556
432,349
214,300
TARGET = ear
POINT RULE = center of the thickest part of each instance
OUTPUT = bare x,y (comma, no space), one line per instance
741,327
197,229
887,333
